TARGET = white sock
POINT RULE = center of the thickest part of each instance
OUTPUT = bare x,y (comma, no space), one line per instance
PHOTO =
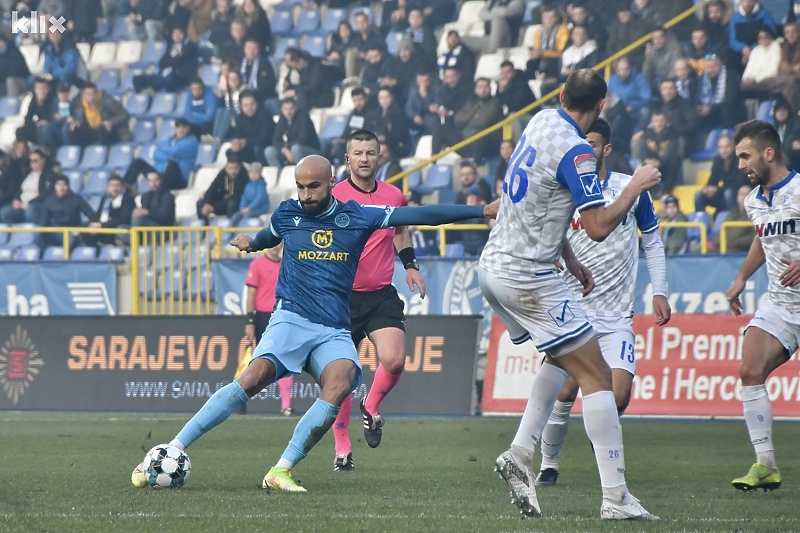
602,426
178,444
284,463
758,416
546,385
554,433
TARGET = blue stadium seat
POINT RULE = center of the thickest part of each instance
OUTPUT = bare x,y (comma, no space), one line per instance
147,283
440,176
710,146
6,254
162,104
316,45
138,104
146,152
180,104
21,238
126,83
3,234
94,156
201,284
53,253
414,179
206,154
114,254
144,131
119,29
219,222
719,219
192,239
447,196
334,126
151,54
9,106
166,255
307,21
75,180
68,156
166,130
693,235
83,253
454,250
96,183
120,155
393,39
332,18
281,22
103,29
171,284
210,75
764,111
108,80
28,253
282,44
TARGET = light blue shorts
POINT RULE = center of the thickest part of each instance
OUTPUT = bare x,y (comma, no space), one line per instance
294,344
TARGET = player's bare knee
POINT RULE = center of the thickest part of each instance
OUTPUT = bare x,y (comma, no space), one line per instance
258,374
394,362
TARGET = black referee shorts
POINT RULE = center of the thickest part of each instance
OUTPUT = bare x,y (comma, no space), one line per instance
371,311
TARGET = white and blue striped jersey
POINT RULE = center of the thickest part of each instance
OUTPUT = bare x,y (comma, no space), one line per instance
777,224
552,172
613,262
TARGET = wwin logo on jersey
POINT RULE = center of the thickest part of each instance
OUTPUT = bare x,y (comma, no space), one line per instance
780,227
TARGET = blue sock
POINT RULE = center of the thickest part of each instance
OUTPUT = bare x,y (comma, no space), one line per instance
309,430
216,410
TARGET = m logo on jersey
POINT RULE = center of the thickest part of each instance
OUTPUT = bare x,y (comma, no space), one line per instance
322,238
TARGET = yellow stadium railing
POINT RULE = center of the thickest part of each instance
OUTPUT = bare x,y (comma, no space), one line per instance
699,225
723,233
604,65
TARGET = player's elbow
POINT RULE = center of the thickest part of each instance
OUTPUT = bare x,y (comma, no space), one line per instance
597,234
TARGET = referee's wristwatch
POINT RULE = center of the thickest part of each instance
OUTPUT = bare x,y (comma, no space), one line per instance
412,264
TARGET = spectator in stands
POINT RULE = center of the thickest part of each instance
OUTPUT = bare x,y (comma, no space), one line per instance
158,204
10,182
294,137
550,40
336,148
201,18
696,50
20,156
231,49
660,55
62,209
680,115
201,108
506,149
787,123
719,104
176,68
579,15
389,122
365,38
96,118
35,186
468,177
252,129
83,18
474,240
686,80
115,211
725,179
221,23
62,61
256,23
790,64
634,92
582,53
479,112
388,164
376,67
436,13
255,200
745,24
514,93
403,68
452,96
229,91
420,34
674,238
14,71
338,43
626,29
760,76
421,106
41,111
457,55
144,18
502,21
224,194
738,238
661,149
716,23
257,72
315,85
174,159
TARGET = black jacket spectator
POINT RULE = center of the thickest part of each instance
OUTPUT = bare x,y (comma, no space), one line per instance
12,64
315,87
10,181
65,211
225,191
257,72
515,93
83,15
299,131
158,205
221,24
252,130
43,107
389,122
256,23
457,55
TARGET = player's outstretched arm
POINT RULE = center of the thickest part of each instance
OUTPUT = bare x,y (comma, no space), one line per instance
599,221
755,258
435,215
265,238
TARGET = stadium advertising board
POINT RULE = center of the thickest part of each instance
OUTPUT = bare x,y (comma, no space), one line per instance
690,367
58,288
174,364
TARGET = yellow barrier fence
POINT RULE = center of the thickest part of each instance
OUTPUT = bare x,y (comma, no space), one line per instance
699,225
723,233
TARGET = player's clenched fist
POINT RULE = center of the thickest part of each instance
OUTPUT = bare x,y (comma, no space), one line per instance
242,242
646,177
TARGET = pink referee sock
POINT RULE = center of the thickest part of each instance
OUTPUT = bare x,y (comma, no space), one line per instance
341,427
381,386
285,385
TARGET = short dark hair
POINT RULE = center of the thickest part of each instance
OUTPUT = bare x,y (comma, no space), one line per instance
584,89
601,127
363,135
115,177
507,63
197,80
358,91
763,134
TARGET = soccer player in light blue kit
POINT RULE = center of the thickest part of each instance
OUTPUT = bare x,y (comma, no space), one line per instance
552,172
310,327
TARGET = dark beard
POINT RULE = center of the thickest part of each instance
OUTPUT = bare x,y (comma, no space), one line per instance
317,208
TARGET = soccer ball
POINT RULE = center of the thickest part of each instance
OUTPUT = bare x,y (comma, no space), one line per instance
166,467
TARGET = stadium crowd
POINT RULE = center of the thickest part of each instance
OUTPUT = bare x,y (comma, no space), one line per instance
215,99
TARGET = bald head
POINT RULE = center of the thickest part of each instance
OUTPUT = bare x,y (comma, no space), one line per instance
314,179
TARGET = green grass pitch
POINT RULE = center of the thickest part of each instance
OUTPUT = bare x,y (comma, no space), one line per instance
71,473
